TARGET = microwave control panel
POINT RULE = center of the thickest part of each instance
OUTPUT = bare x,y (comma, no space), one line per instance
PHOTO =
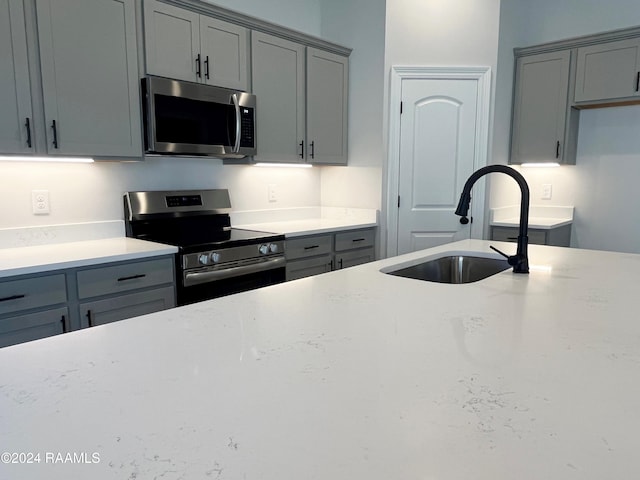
247,135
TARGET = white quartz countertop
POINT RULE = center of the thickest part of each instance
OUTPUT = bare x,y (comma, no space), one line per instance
43,258
306,221
353,374
540,217
308,226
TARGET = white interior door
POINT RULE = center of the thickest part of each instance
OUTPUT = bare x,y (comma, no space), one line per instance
441,141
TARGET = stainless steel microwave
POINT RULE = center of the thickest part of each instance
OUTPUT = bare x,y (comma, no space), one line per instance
190,119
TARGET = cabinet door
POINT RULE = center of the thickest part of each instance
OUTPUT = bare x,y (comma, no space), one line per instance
608,71
126,306
33,326
327,93
224,48
172,41
308,267
15,94
540,107
88,56
354,257
278,74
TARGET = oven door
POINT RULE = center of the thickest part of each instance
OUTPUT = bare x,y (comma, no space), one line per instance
199,285
182,118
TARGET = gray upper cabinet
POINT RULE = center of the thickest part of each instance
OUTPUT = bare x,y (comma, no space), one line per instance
88,57
16,116
327,92
185,45
225,55
608,71
540,108
278,73
172,41
306,90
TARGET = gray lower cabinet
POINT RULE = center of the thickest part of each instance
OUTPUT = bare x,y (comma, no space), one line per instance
24,328
38,306
316,254
308,256
559,236
32,308
112,293
120,307
354,247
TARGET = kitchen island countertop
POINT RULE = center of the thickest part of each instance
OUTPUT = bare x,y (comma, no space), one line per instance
352,374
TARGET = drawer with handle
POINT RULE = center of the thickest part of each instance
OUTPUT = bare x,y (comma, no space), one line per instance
354,239
308,246
121,278
17,295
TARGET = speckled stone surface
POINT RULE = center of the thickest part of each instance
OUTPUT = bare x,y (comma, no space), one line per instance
353,374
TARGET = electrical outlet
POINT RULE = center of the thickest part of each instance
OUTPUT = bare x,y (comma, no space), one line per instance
40,202
271,192
546,191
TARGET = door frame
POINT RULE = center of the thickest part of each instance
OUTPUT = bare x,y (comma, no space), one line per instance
398,74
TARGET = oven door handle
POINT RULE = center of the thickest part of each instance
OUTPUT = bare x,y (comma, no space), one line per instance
197,278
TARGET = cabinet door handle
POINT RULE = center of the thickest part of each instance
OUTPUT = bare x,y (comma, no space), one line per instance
206,67
340,264
132,277
302,149
358,240
28,125
55,134
12,297
90,318
311,247
558,149
313,149
64,323
198,67
331,265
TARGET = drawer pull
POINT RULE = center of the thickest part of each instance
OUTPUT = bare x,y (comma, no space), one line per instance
312,247
358,240
64,324
340,264
12,297
90,318
132,277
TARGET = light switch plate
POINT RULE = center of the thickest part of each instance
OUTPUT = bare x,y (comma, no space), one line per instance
40,202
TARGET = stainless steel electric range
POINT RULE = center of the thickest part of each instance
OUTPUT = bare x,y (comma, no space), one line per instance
213,259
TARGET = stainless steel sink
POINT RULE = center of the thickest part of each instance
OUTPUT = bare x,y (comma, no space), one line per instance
453,269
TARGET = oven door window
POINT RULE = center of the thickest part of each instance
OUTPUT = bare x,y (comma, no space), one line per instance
188,121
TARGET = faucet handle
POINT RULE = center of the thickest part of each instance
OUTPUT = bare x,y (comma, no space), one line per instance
499,251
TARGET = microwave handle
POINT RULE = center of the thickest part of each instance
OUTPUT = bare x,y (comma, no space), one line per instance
236,104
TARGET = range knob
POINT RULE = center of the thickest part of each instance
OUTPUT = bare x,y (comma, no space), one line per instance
215,257
203,259
273,247
263,249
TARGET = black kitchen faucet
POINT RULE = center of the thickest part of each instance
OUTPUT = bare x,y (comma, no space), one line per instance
520,260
